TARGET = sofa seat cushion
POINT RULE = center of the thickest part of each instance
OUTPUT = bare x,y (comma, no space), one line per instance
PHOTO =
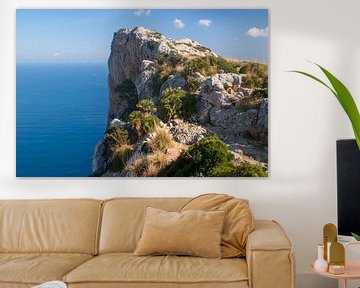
127,268
36,268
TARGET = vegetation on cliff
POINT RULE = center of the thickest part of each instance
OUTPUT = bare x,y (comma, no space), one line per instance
186,115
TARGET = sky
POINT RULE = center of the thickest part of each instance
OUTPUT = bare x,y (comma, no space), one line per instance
84,36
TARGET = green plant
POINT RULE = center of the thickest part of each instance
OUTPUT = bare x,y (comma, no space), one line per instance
177,103
210,65
142,120
244,169
251,81
193,84
200,159
115,137
145,106
260,93
258,69
356,236
251,102
149,123
344,97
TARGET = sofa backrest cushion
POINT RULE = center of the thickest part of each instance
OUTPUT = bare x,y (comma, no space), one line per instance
123,220
64,226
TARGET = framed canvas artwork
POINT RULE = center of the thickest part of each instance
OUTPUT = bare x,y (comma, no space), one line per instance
142,93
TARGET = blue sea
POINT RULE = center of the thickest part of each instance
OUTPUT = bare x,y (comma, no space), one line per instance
61,113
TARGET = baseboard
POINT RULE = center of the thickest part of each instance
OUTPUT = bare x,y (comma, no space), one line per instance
309,280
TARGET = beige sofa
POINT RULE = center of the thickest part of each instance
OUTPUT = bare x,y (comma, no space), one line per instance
89,243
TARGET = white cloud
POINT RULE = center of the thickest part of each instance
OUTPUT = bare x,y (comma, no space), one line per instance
205,22
179,23
61,54
258,32
142,12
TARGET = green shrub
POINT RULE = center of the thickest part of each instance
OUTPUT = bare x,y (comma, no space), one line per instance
210,65
177,103
244,169
260,93
142,120
258,69
193,84
251,81
226,65
149,123
115,137
145,106
254,100
200,159
248,103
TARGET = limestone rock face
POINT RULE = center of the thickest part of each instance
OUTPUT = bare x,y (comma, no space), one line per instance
219,93
173,82
131,58
220,106
99,161
144,82
118,123
186,133
260,129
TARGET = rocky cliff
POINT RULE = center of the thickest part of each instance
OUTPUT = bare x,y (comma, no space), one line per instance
132,58
189,92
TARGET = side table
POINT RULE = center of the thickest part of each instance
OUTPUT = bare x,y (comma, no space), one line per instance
352,269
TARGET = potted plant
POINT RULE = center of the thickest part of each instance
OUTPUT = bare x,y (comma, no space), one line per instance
345,99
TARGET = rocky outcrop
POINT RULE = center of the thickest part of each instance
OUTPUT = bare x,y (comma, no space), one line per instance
131,58
174,82
144,83
219,93
140,66
220,106
186,133
99,161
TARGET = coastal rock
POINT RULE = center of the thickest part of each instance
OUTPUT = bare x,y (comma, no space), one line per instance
188,47
219,106
173,82
186,133
132,53
260,129
99,161
144,82
219,92
118,123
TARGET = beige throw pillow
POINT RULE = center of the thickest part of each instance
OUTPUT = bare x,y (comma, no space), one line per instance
196,233
239,220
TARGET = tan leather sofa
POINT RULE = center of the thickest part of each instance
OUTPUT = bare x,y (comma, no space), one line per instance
89,243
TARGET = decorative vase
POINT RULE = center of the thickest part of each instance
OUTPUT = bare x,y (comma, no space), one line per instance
320,264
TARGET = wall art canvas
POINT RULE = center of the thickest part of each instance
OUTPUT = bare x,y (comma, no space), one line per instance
142,93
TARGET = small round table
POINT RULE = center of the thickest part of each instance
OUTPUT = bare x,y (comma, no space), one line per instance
352,269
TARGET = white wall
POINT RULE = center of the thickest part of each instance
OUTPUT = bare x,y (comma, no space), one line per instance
305,120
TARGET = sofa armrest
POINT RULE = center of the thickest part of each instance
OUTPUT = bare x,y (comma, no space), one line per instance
269,256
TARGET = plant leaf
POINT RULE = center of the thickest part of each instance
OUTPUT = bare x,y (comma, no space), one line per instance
347,102
316,79
344,97
356,236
